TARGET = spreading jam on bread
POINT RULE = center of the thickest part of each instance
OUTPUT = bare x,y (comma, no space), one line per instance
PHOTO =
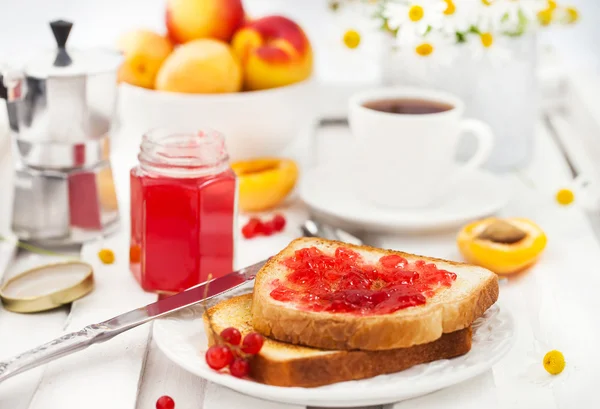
345,283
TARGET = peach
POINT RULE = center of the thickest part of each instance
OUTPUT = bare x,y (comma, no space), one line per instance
143,52
274,52
189,20
201,67
264,182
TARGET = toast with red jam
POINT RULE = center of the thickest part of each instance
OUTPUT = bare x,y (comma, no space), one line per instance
333,295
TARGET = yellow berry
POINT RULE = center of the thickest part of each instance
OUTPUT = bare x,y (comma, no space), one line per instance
565,197
352,39
554,362
424,49
106,256
487,39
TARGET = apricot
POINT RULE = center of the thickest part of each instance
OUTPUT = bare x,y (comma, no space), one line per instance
264,183
274,52
189,20
144,52
504,246
201,66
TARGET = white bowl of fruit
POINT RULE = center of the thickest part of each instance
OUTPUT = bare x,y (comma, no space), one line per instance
249,79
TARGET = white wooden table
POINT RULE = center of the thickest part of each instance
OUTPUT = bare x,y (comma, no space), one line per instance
555,305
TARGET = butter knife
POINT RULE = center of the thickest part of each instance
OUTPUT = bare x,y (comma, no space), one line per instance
103,331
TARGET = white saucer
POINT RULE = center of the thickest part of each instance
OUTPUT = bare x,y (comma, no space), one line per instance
329,191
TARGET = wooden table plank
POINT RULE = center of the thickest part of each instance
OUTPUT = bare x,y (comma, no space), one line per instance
19,332
163,377
106,373
476,393
218,397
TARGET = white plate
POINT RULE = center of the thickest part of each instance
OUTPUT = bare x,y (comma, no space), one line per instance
181,337
328,190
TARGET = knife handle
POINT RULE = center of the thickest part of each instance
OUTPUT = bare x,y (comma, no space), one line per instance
65,345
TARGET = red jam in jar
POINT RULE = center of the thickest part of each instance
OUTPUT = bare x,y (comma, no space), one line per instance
344,282
183,210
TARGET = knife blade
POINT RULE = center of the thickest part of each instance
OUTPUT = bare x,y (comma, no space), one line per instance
103,331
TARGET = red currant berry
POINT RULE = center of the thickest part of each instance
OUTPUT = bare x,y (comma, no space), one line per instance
252,228
218,356
231,336
239,367
252,343
165,402
278,222
268,228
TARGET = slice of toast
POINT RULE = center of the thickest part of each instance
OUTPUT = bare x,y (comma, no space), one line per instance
448,309
282,364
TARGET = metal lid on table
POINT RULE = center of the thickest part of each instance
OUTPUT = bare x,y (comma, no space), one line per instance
47,287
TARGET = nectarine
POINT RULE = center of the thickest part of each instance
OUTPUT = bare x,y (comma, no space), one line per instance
144,52
193,19
200,66
274,52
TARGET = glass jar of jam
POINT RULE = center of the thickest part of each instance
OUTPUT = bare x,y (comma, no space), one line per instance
183,210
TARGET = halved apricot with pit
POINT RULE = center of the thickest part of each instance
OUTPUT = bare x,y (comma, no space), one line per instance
504,246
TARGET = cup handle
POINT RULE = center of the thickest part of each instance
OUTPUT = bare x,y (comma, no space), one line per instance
485,143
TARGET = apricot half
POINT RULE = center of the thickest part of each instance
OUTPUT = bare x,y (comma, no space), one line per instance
264,183
504,246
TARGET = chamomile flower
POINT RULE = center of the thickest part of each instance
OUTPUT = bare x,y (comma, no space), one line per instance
567,15
515,12
457,16
488,45
423,56
487,15
414,15
542,364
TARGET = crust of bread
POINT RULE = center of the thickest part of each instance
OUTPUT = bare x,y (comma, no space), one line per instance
402,329
282,364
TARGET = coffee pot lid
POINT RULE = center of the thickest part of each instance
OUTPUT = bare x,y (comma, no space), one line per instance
67,62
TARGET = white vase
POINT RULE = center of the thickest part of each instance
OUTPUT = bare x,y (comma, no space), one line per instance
500,91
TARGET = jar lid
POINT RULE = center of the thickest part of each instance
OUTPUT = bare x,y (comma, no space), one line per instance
47,287
67,62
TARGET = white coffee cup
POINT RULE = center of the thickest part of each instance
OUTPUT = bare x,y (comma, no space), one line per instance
408,160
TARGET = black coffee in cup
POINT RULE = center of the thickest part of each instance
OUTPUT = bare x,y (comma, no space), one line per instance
408,106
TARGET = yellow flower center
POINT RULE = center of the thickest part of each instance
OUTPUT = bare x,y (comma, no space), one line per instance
351,39
551,4
424,49
487,2
572,14
450,7
545,16
415,13
565,197
106,256
554,362
487,39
